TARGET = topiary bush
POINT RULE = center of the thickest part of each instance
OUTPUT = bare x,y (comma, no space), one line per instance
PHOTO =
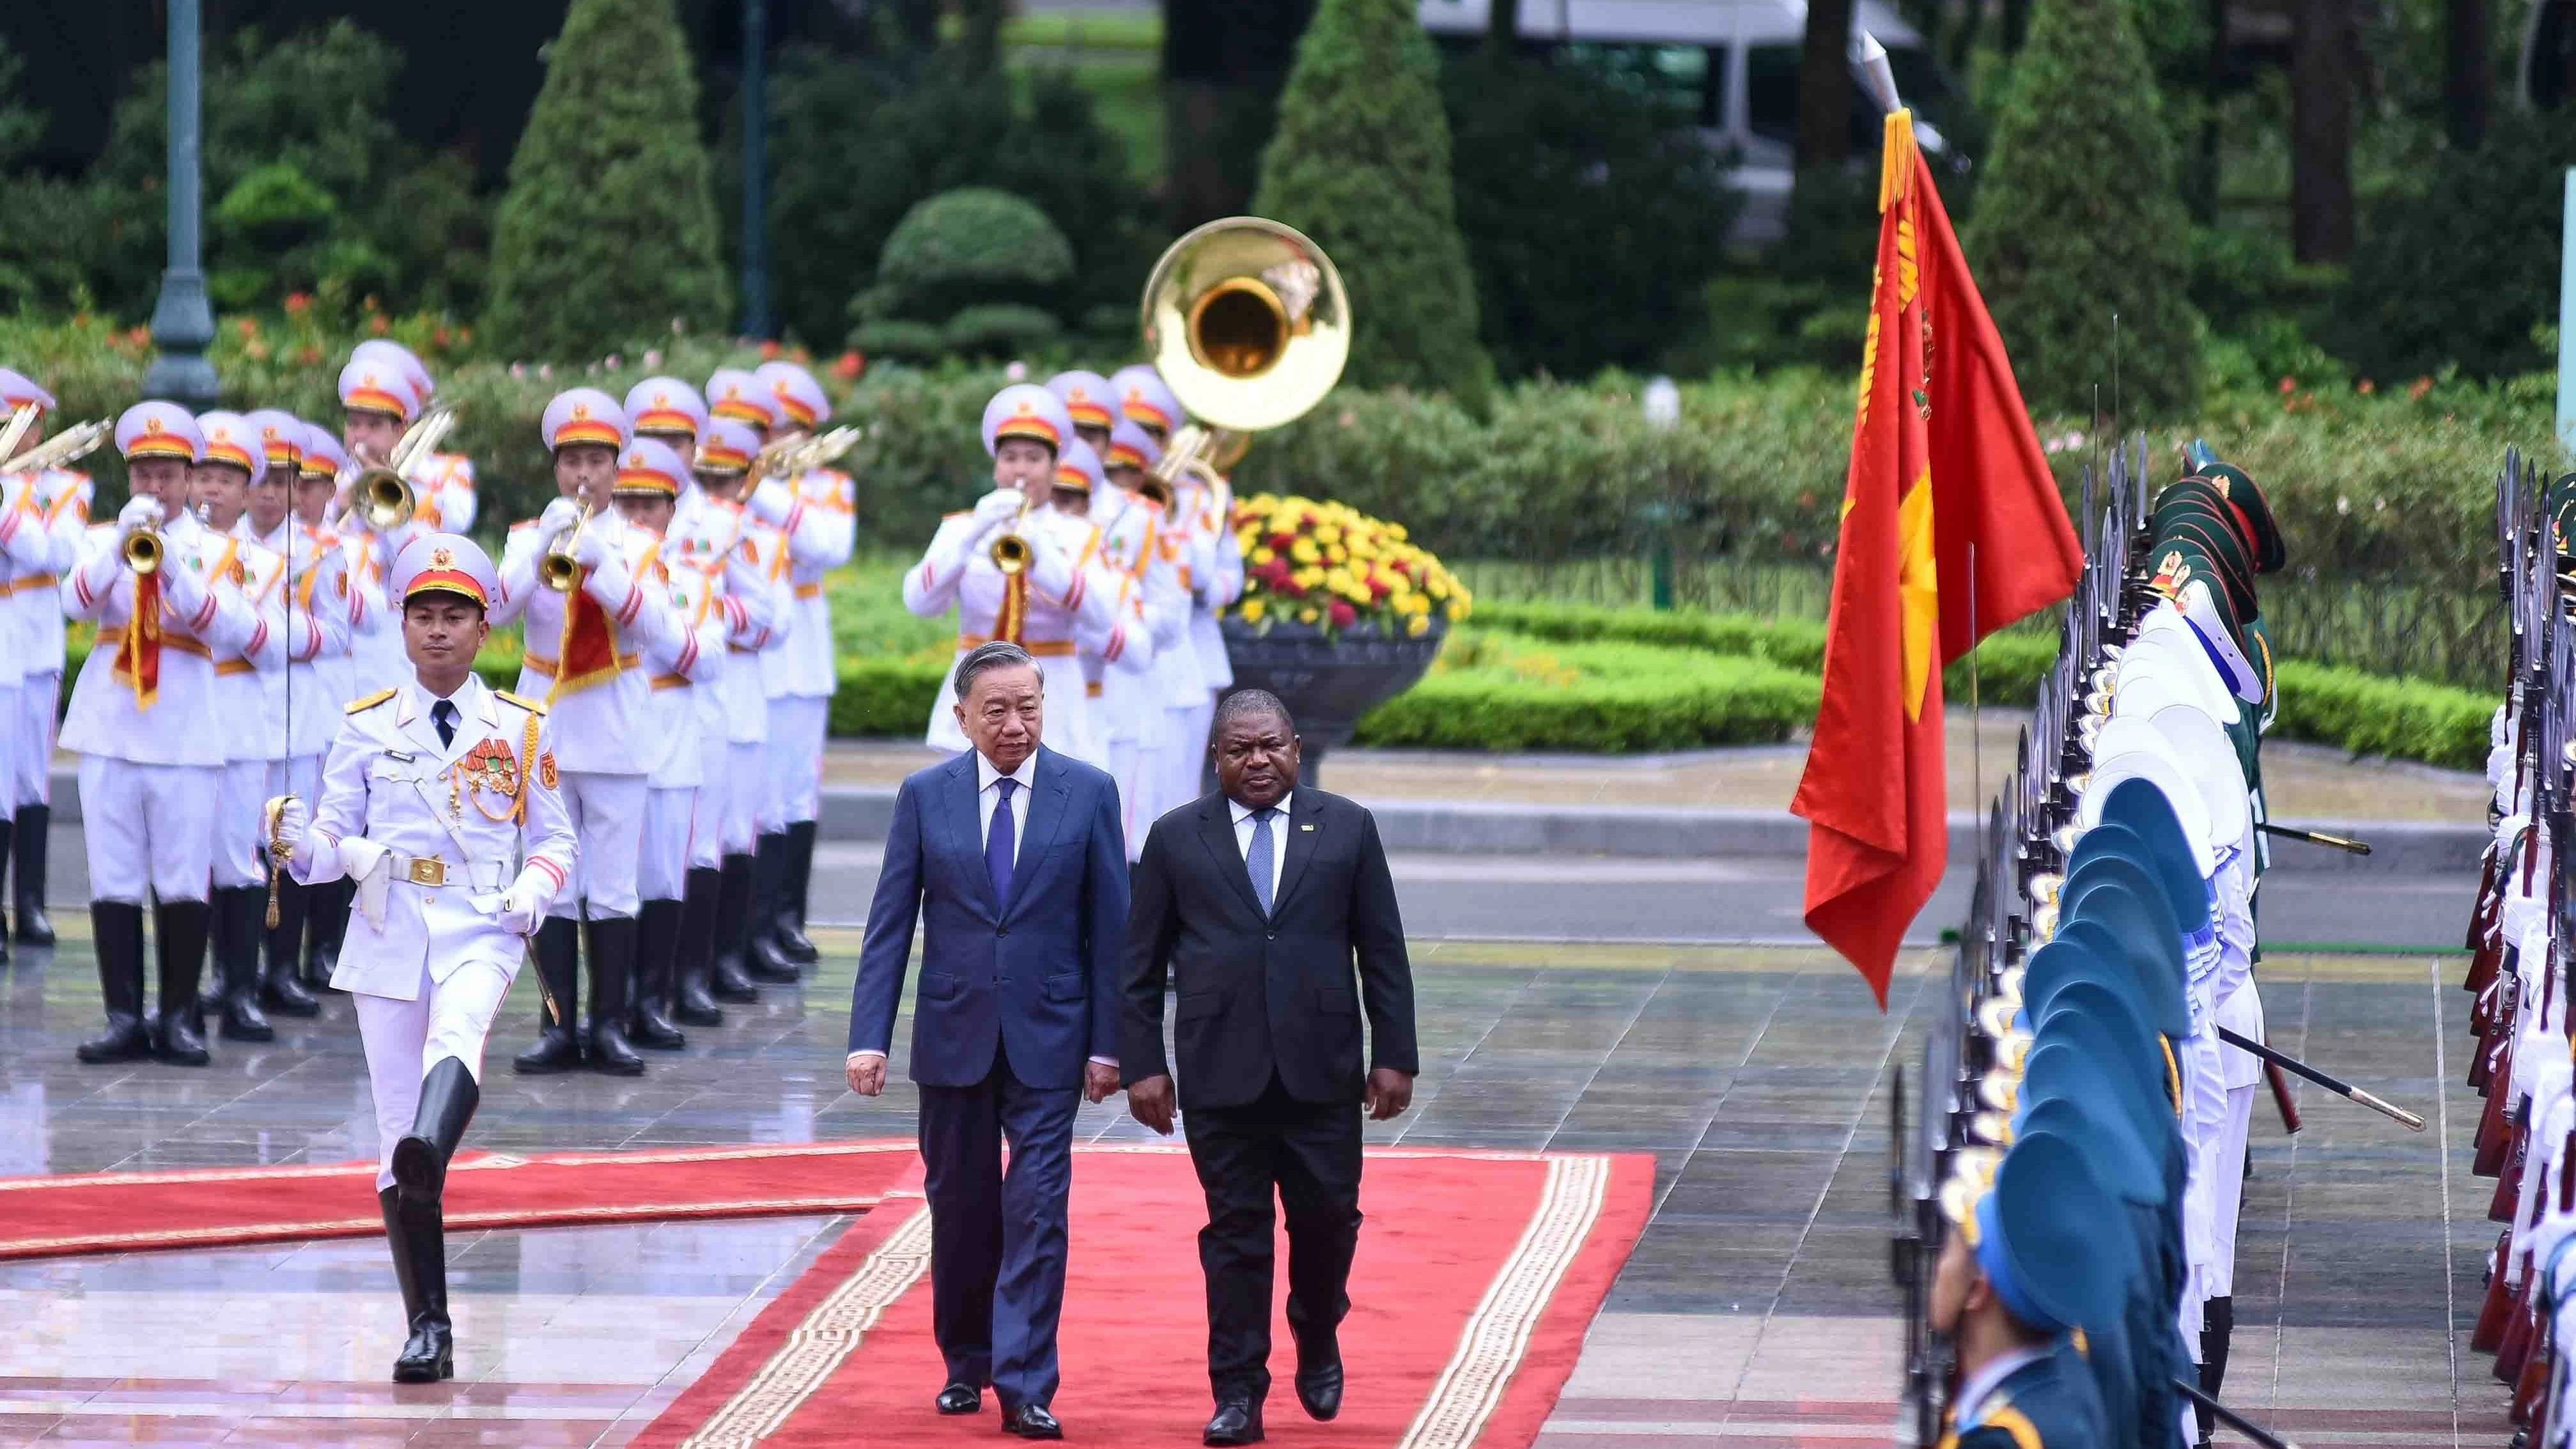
1361,162
607,235
999,329
2078,219
968,246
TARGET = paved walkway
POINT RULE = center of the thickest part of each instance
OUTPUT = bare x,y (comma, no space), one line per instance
2303,782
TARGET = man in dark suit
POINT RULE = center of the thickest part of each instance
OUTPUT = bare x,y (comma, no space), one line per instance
1012,856
1272,909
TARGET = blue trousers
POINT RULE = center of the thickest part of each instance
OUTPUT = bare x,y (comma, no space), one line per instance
998,1240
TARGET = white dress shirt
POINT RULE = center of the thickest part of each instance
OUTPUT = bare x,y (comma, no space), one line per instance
1244,825
987,795
1981,1385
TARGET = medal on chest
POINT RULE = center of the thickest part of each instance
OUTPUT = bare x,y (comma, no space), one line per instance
489,769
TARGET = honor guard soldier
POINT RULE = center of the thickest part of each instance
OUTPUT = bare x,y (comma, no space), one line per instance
759,597
2027,1265
1137,512
303,705
817,511
574,575
671,413
439,800
691,655
1015,569
1201,534
255,744
442,483
51,517
145,722
377,402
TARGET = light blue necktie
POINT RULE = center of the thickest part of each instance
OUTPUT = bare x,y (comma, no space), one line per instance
1257,859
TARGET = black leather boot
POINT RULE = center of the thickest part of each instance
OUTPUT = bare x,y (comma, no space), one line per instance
612,988
330,923
733,931
237,912
182,927
696,1003
559,968
28,829
389,1200
796,876
762,956
448,1096
2217,1326
657,969
117,928
429,1355
281,988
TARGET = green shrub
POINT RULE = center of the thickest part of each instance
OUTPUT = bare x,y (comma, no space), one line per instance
1000,329
1586,209
1503,692
899,341
969,247
2078,219
1361,163
607,235
885,698
2369,714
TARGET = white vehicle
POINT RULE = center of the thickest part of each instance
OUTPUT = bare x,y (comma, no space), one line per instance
1731,63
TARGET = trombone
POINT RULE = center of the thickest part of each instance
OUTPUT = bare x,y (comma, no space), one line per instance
382,493
790,457
1248,323
66,447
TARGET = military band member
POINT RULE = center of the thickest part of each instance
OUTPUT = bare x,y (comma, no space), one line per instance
28,565
442,483
760,599
377,402
145,722
255,747
440,801
1090,402
1176,681
317,488
1040,605
1118,665
302,708
43,528
817,511
1201,535
582,657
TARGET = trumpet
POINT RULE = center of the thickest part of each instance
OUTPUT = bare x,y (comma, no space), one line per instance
1010,552
557,570
382,493
68,446
143,550
789,457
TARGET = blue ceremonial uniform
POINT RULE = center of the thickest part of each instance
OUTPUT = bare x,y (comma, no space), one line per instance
2047,1403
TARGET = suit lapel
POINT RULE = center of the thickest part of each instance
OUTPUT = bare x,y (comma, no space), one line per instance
417,730
1303,827
1047,810
953,812
1216,832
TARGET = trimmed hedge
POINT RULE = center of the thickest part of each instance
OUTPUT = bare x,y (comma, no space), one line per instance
1507,692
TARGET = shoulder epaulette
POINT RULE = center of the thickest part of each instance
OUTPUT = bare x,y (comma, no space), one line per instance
532,706
960,513
372,700
523,523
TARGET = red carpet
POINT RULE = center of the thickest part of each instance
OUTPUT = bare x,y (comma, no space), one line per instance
125,1212
1477,1276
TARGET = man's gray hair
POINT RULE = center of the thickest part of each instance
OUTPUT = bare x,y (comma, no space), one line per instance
1247,703
986,657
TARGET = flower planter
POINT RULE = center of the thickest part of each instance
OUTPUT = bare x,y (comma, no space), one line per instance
1327,682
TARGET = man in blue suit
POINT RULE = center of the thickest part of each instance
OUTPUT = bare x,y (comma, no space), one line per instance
1012,857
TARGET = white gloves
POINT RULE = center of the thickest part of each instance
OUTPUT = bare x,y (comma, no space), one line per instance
139,513
523,905
561,517
592,548
772,501
293,822
997,508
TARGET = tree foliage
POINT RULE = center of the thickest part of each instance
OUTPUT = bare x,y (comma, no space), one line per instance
608,231
974,272
2078,220
1361,163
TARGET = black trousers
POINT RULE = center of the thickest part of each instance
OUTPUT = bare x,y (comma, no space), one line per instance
1308,1153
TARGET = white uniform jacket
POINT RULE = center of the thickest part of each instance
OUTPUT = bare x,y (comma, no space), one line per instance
44,535
304,699
434,834
605,723
1212,563
182,725
818,515
1070,595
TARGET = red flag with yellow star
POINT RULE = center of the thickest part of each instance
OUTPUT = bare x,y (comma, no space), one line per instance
1943,456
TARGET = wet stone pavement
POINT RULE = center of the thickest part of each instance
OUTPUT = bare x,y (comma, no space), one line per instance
1756,1310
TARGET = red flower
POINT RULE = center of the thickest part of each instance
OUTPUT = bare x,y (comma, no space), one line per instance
1342,614
1282,541
249,328
440,338
769,352
2289,385
298,303
1379,587
850,365
379,324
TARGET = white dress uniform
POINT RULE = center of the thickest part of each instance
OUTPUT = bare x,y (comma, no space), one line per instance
40,532
1201,537
1118,668
445,812
818,513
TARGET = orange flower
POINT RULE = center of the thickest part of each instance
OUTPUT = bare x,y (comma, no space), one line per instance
249,328
769,352
848,367
298,303
379,324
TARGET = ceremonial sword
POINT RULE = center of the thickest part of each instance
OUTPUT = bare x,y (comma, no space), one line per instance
2340,1088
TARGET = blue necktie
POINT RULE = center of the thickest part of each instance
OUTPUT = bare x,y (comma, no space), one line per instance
1257,859
998,843
443,715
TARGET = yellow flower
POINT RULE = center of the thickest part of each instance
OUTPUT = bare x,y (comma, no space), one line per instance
1308,578
1417,626
1337,553
1457,610
1328,532
1304,551
1264,555
1308,614
1396,531
1251,610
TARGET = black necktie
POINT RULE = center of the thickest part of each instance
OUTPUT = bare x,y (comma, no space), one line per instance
443,715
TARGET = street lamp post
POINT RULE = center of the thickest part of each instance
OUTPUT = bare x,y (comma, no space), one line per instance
1663,407
755,169
182,322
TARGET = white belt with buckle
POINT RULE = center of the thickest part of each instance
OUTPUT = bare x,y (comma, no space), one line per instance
432,872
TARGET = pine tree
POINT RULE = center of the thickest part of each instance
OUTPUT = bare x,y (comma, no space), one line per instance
2079,217
608,231
1360,162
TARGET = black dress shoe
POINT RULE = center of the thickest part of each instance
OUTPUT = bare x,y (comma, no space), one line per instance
1237,1421
960,1398
1032,1421
1319,1389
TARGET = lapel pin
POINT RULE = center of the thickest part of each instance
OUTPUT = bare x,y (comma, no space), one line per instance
1305,827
